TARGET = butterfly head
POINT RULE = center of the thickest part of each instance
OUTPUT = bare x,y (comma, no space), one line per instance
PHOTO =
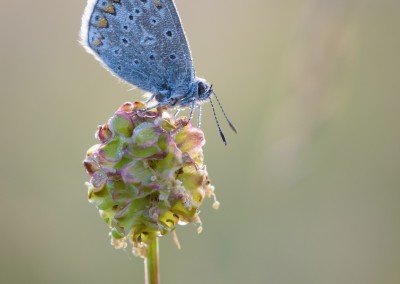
204,90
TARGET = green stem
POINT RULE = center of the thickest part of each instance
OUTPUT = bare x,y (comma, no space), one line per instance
151,267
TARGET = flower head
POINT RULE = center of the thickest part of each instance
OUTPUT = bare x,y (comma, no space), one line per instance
147,174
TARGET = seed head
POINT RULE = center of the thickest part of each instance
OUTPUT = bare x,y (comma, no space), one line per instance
147,175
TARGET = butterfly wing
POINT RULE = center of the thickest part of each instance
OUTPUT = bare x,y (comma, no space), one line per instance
140,41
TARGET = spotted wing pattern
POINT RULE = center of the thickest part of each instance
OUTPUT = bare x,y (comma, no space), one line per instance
140,41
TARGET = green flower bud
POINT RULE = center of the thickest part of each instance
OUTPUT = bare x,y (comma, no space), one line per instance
147,175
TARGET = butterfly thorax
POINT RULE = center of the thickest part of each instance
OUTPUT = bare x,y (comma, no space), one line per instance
198,91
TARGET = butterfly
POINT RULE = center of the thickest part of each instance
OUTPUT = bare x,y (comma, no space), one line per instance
143,43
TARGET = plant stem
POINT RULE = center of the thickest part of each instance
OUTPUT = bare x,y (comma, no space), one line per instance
151,267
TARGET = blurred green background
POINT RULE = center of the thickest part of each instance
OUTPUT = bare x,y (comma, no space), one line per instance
309,189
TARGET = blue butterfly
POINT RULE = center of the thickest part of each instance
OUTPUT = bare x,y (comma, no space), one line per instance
143,43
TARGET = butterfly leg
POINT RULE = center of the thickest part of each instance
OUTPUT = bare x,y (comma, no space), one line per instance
150,98
151,107
177,112
191,110
199,116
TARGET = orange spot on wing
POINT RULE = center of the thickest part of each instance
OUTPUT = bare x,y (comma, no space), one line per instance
102,23
97,42
110,9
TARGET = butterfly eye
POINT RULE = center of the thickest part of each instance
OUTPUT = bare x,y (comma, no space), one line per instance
201,88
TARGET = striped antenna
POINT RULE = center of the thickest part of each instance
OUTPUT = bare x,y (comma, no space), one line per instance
216,120
223,112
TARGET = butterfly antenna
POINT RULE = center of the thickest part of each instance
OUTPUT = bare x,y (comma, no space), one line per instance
223,112
216,120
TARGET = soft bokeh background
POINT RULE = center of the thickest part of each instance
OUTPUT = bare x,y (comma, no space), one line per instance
310,188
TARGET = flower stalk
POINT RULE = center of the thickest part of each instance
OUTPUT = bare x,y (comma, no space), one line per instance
151,263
